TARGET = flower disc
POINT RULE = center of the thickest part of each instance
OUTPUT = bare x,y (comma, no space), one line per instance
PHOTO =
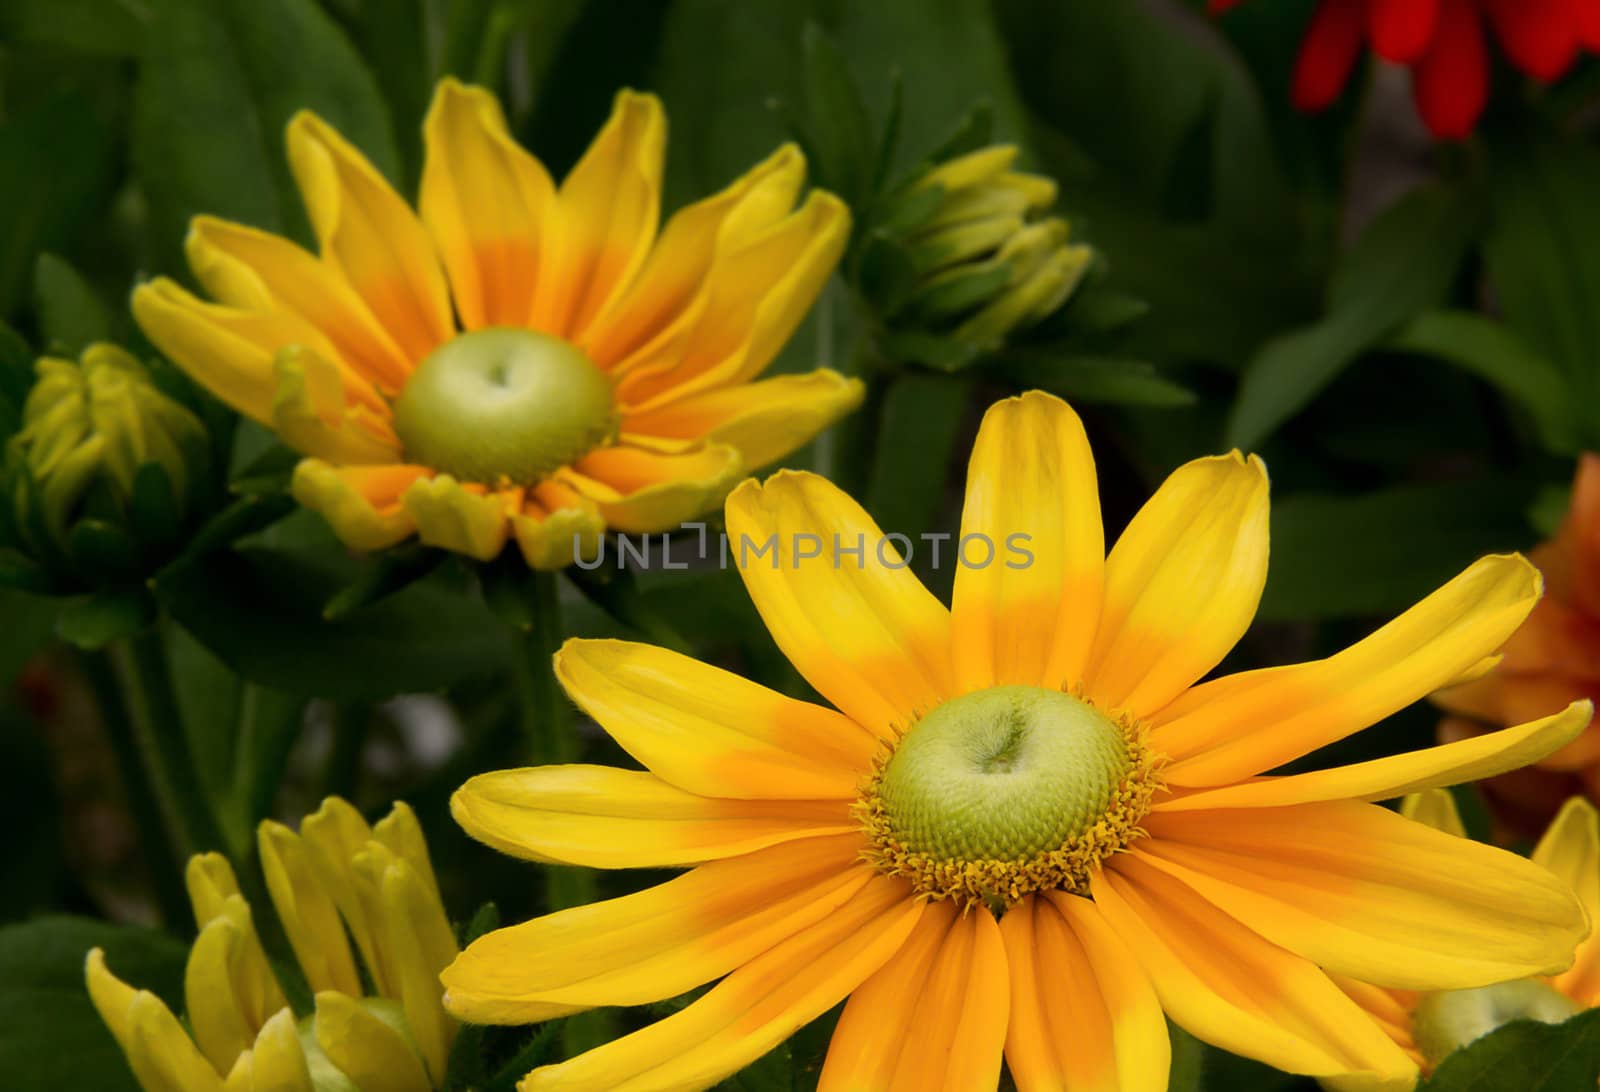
503,405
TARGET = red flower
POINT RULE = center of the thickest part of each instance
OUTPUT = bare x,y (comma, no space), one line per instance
1442,42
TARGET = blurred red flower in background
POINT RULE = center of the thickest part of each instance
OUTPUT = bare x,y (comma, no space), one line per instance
1443,43
1552,659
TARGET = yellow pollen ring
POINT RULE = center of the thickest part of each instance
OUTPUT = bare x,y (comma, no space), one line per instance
1001,881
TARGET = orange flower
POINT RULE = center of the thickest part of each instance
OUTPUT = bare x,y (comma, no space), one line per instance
1553,659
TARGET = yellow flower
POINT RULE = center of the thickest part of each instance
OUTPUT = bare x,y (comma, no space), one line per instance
337,874
1429,1026
520,359
1029,829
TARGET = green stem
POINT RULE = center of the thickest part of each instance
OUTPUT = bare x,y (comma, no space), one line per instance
348,725
161,858
141,663
546,715
548,727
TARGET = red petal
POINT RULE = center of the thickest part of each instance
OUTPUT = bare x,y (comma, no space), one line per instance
1401,29
1538,36
1587,15
1451,81
1332,43
1217,7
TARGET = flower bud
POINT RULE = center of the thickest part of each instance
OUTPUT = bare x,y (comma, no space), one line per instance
965,251
92,430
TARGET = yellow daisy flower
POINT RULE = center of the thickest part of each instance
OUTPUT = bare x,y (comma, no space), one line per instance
379,882
520,359
1029,829
1429,1026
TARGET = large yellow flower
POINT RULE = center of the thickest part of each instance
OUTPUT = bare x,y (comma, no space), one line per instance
1429,1026
522,359
380,882
1029,828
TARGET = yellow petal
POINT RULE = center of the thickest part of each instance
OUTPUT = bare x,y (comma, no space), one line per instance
330,840
1435,808
983,165
1369,894
608,818
762,421
1084,1016
486,202
656,943
361,504
402,834
755,297
210,880
1240,725
711,732
1030,486
1386,778
453,517
1182,583
557,527
254,270
310,414
669,291
638,490
934,1017
752,1010
365,1048
226,350
417,943
371,237
1227,986
160,1053
858,625
309,915
609,204
228,986
275,1063
1570,848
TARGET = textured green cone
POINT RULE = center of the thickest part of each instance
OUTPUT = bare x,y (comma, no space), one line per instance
503,405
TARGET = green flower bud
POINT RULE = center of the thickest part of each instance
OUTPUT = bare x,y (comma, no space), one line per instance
965,251
103,451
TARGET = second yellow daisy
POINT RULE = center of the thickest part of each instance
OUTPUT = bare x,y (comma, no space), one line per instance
523,359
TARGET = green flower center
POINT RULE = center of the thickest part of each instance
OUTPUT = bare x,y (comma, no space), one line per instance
503,405
1005,791
1446,1021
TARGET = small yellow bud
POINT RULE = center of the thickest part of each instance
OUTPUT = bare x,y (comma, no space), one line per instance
89,426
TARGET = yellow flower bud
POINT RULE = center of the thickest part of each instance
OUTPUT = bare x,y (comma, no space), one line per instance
964,252
89,426
337,877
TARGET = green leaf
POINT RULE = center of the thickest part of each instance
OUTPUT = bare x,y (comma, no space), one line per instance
98,619
840,130
217,85
50,1034
383,575
260,611
917,428
1083,378
112,28
1493,352
1525,1056
1542,253
56,161
1376,554
1403,264
71,314
30,622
